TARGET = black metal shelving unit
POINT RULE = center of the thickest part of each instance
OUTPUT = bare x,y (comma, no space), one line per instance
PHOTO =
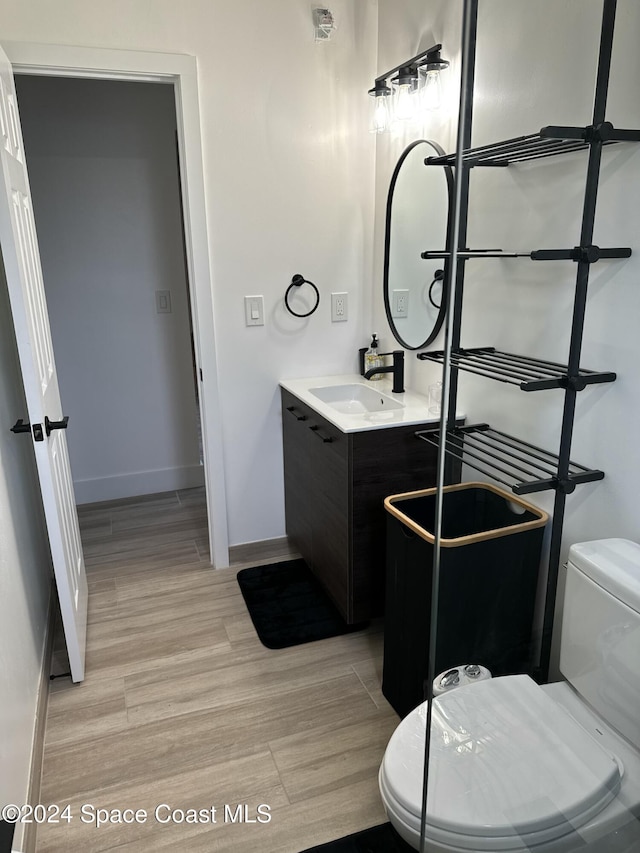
510,461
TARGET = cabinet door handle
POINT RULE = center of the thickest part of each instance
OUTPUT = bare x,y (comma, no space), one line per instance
316,431
297,415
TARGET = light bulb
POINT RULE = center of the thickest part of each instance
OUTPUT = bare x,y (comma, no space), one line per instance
379,107
404,101
431,90
380,115
405,87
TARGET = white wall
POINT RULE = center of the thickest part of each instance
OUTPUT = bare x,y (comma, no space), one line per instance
103,171
25,576
287,162
536,65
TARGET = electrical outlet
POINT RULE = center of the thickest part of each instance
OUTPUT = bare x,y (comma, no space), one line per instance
400,303
338,307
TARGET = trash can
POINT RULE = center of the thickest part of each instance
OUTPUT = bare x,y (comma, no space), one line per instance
491,544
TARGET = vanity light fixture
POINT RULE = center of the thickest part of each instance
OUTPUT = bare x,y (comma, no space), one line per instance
416,87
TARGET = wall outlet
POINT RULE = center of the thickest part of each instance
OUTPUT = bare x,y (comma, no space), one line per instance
400,303
254,310
339,307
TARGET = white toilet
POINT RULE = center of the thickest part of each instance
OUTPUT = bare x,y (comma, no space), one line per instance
516,766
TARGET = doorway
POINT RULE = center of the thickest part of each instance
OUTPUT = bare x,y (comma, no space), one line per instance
104,181
180,71
104,178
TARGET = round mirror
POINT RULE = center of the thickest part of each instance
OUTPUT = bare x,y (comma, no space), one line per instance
417,220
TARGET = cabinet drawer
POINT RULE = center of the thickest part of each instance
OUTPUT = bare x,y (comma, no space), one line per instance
316,469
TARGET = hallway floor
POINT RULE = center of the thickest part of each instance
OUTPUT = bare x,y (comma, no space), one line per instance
183,707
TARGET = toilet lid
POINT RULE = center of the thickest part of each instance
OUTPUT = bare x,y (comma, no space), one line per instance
505,760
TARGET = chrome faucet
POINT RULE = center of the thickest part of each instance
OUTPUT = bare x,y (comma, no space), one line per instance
397,369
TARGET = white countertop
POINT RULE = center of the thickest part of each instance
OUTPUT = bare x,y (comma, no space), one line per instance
414,406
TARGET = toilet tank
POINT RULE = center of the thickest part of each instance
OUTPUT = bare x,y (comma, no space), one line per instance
600,641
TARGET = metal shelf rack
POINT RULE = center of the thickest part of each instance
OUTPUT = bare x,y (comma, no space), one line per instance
522,466
551,141
527,372
590,254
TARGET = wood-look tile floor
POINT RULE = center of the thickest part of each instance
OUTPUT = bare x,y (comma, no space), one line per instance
183,707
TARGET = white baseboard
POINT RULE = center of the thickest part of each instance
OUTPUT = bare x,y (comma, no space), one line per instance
138,483
24,840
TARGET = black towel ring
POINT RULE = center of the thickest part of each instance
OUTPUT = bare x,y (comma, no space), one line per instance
297,281
438,276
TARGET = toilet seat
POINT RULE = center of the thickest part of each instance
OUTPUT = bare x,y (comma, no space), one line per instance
508,767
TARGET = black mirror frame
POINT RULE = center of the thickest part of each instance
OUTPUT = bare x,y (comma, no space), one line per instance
387,246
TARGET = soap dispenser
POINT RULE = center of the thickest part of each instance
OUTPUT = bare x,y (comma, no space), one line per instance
372,358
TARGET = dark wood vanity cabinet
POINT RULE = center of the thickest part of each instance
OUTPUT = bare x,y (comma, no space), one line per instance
335,485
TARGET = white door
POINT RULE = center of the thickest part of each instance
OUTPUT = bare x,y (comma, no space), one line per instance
31,322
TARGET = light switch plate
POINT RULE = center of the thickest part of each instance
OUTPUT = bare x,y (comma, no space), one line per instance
163,301
254,310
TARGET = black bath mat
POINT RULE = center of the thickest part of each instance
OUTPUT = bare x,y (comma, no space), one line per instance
379,839
288,606
6,836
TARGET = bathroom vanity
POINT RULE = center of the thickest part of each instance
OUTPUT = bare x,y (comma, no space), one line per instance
349,443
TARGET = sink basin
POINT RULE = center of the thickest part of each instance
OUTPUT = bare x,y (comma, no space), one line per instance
354,399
